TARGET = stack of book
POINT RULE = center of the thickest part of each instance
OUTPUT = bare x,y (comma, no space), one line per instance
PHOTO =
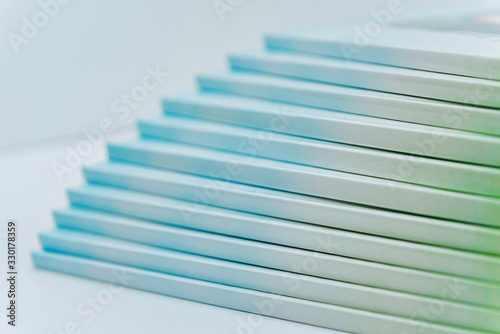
336,179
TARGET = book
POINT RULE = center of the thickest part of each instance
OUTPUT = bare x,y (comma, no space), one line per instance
264,279
465,44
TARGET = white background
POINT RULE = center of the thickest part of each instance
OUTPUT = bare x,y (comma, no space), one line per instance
64,80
